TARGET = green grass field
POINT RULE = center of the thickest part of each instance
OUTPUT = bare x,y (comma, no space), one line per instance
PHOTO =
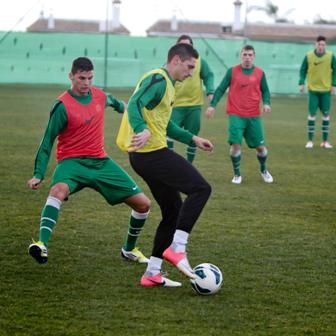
275,244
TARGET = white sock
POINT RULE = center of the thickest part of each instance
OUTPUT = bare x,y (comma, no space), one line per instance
153,266
180,241
53,201
139,215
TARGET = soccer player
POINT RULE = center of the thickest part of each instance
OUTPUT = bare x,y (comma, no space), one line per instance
189,99
77,121
248,87
166,173
319,66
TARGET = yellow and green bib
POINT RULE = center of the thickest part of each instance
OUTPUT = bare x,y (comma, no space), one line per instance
190,91
156,119
319,71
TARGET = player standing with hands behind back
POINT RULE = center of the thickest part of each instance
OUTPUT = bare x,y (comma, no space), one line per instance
320,66
248,87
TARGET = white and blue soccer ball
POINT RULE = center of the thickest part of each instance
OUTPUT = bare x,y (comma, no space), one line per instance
209,279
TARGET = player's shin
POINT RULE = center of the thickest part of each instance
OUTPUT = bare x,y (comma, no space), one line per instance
49,218
136,223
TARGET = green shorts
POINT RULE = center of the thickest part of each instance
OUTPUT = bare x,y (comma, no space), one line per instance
319,100
102,175
251,128
188,117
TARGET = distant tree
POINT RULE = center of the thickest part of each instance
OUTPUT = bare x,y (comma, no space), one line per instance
320,20
272,11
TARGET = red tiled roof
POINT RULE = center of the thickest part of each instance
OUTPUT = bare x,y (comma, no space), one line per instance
256,31
64,25
164,28
289,32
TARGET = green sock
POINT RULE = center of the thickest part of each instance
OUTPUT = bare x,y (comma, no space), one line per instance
49,218
262,157
311,129
191,152
170,143
325,129
236,164
137,221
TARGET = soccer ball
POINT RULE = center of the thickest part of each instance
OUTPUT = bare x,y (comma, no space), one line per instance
208,279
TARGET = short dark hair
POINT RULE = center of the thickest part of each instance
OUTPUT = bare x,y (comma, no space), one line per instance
248,47
81,64
183,50
185,37
321,38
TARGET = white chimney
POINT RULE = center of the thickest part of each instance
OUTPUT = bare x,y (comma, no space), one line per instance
237,24
116,14
51,21
174,23
102,26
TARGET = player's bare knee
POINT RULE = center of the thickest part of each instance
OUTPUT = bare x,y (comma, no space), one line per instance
59,191
262,151
142,205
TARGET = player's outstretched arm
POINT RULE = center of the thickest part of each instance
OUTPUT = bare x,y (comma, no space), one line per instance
34,183
202,143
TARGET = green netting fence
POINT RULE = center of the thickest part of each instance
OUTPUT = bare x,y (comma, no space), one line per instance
45,58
